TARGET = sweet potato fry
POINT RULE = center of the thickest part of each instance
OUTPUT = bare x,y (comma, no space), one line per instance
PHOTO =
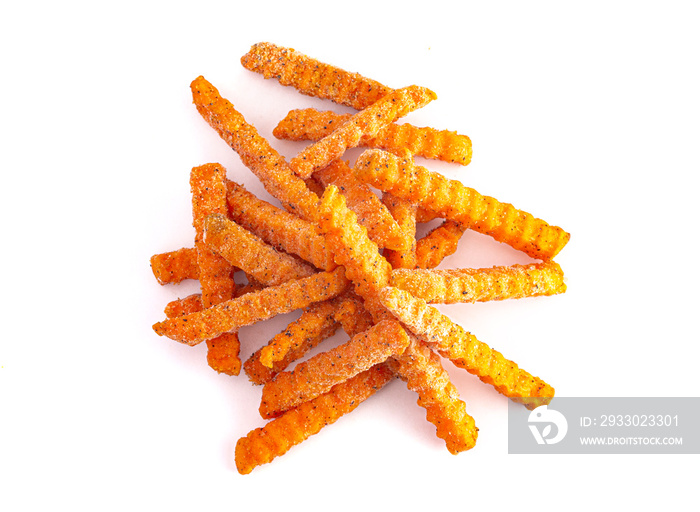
420,368
319,374
352,315
405,215
255,152
264,444
253,307
453,286
445,145
313,78
465,350
251,254
365,123
371,213
175,266
452,200
438,244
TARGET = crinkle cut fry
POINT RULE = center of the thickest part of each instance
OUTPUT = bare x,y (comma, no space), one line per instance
207,183
420,368
367,122
445,145
465,350
371,213
175,266
405,215
452,200
452,286
264,444
279,228
313,78
255,152
440,243
253,307
319,374
251,254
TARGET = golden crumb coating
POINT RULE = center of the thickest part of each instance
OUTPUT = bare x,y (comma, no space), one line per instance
251,254
438,244
445,145
465,350
255,152
367,122
175,266
319,374
313,78
451,286
452,200
264,444
371,213
253,307
420,367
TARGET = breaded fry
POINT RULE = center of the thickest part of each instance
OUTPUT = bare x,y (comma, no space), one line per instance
420,368
279,228
350,245
175,266
445,145
352,315
263,444
319,374
452,200
253,307
371,213
365,123
255,152
453,286
464,350
179,307
405,215
313,78
251,254
440,243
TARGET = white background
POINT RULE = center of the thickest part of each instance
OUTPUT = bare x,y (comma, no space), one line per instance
583,113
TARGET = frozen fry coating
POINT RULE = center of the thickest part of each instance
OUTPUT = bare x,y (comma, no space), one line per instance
453,286
445,145
350,245
279,228
465,350
313,78
264,444
367,122
438,244
405,215
253,307
452,200
255,152
371,213
246,251
175,266
421,369
319,374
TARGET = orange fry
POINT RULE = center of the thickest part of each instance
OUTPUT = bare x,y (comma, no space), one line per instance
440,243
279,228
452,200
179,307
352,315
453,286
246,251
365,123
464,350
421,369
175,266
319,374
313,78
311,124
255,152
405,215
253,307
371,213
263,444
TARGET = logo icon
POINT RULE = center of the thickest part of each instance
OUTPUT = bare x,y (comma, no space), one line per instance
544,418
